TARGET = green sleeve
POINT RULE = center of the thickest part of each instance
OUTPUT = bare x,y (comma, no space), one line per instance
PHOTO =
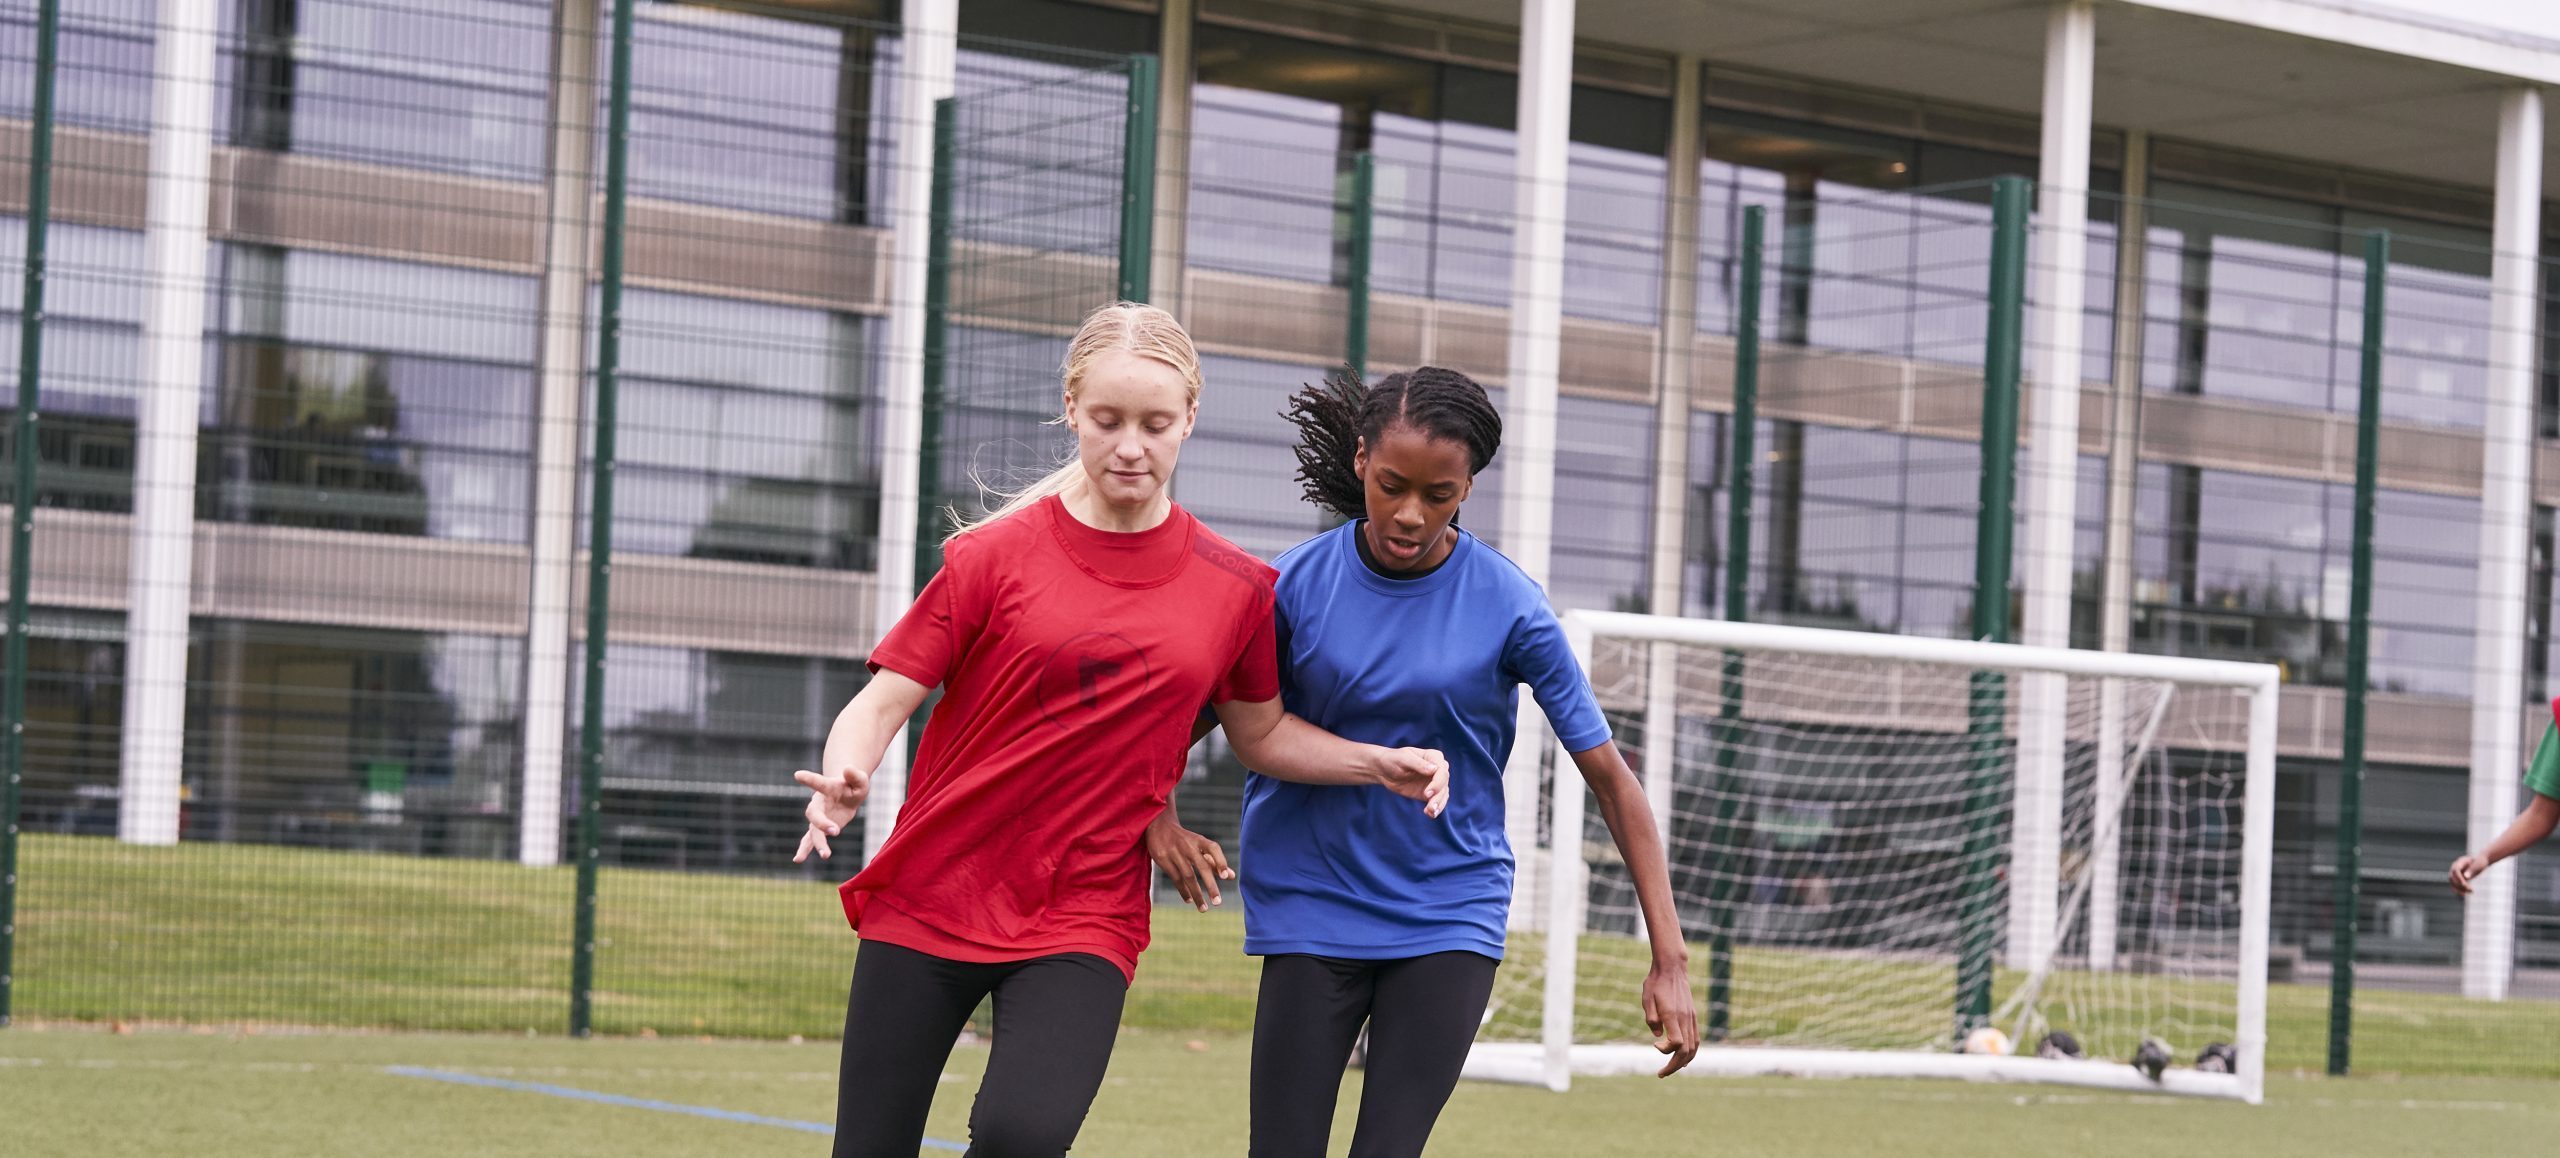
2543,775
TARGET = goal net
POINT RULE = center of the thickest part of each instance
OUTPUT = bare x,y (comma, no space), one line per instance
1883,847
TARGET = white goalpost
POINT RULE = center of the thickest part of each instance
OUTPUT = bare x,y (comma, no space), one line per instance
1838,810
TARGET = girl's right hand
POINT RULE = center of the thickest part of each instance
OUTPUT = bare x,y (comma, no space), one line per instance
2462,873
832,802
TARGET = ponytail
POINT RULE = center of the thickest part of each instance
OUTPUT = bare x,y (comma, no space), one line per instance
1328,421
1068,476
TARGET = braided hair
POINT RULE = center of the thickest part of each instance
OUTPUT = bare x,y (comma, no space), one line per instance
1334,417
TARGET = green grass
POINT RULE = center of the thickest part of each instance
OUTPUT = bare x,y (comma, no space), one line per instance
233,934
78,1091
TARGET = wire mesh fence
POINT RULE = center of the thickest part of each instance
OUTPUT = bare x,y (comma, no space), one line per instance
340,654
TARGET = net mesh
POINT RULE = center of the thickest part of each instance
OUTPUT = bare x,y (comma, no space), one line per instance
1842,828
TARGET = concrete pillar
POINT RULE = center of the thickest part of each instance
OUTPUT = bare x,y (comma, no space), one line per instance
2115,593
1175,22
162,578
2052,475
561,371
1674,350
928,59
1529,426
2506,508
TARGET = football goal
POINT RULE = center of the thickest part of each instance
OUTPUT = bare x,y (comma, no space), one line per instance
1904,857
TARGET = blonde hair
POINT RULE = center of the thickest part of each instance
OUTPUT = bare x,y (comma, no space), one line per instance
1132,327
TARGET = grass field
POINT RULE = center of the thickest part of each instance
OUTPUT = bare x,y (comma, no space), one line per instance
82,1092
224,935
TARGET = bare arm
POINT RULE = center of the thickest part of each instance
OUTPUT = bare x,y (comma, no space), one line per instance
855,743
2540,816
1282,746
1668,1007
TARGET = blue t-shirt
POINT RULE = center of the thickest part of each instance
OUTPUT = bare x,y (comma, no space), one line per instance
1433,662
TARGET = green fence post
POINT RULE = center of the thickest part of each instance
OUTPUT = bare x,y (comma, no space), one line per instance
1138,181
2342,946
1741,461
937,345
1742,438
582,967
1987,707
1355,323
22,511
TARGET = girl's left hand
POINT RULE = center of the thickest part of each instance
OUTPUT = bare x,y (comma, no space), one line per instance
1671,1014
1194,862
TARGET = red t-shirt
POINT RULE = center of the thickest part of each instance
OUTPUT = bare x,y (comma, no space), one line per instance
1073,662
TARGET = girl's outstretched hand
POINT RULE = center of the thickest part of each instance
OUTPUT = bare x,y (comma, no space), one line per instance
832,802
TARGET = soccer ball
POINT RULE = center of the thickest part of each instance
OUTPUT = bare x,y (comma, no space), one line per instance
2218,1058
2152,1058
2059,1046
1987,1040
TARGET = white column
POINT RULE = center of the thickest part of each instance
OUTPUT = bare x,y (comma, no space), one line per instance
2115,599
1529,428
1676,342
2053,449
927,62
2506,498
561,367
164,470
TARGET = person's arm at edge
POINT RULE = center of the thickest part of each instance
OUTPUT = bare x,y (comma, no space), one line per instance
2540,816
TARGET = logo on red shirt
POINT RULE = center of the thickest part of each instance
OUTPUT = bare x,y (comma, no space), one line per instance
1088,674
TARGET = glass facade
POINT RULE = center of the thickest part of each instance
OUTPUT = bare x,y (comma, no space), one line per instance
693,739
754,112
2259,299
459,87
1276,122
346,738
1239,472
747,433
364,395
104,78
2253,567
92,370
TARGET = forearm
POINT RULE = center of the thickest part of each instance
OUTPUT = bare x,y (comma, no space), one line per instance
1631,825
1284,747
862,731
2536,823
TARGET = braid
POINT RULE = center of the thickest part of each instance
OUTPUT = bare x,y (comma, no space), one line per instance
1443,403
1333,418
1328,418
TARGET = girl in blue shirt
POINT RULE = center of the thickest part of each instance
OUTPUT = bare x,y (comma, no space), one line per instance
1400,628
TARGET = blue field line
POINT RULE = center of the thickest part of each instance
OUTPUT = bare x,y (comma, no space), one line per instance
463,1079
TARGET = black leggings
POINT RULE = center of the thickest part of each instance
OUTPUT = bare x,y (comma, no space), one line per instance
1055,1020
1422,1014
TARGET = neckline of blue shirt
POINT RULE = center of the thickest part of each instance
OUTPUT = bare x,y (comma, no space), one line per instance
1403,588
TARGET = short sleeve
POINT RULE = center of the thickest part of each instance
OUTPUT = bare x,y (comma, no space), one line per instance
1538,655
928,641
1255,675
2543,775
